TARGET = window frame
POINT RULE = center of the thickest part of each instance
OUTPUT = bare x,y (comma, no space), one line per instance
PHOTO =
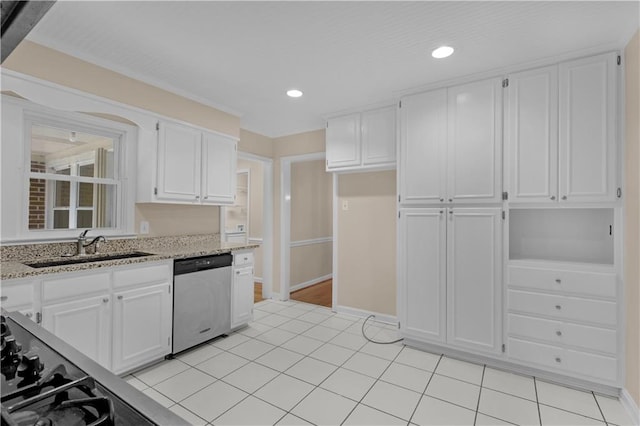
124,179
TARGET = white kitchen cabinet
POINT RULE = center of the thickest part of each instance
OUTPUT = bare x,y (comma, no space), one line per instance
192,166
451,145
22,295
564,317
423,150
450,277
362,141
141,326
219,160
84,323
561,132
587,128
121,316
531,129
179,157
242,289
422,262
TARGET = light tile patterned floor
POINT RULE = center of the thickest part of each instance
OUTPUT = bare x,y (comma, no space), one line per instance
301,364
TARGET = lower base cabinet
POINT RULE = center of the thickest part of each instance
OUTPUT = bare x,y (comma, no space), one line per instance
84,324
141,326
120,318
242,289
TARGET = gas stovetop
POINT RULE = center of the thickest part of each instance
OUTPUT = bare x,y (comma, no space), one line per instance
40,387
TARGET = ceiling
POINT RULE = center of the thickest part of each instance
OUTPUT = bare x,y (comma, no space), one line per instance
241,57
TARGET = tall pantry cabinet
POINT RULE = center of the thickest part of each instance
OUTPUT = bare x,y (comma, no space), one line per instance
450,218
509,249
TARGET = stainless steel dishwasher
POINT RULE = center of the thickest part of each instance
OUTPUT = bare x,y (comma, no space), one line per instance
201,300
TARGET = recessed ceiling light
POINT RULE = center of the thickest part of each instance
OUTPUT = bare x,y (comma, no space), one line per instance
294,93
442,52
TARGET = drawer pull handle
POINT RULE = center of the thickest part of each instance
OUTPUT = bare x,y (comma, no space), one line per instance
558,333
558,359
558,280
558,307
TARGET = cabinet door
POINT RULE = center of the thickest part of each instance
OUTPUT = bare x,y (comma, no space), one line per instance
532,135
423,137
141,326
379,136
242,297
219,161
84,324
178,163
20,295
474,142
422,273
587,129
343,141
474,278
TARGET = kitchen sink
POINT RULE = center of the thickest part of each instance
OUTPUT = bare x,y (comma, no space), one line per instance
88,259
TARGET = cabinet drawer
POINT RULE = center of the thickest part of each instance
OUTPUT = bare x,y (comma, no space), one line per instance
579,363
561,333
142,275
17,293
577,282
563,307
72,286
242,258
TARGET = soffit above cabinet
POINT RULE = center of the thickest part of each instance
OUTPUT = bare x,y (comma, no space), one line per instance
244,56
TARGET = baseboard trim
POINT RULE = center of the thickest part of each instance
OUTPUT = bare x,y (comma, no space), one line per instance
630,405
362,313
310,283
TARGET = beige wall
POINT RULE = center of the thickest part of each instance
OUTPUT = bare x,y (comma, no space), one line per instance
632,216
311,218
255,143
367,241
176,219
311,201
302,143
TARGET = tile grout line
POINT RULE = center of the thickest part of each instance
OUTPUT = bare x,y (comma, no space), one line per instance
600,409
475,417
425,388
535,387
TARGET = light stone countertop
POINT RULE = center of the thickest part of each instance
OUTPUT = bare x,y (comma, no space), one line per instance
14,258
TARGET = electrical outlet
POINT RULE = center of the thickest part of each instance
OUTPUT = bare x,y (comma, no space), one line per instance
144,227
345,205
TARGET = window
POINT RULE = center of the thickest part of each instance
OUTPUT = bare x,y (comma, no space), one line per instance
78,172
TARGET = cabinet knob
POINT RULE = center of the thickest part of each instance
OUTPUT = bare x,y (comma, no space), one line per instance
105,300
120,297
558,333
558,307
558,359
206,197
558,280
442,200
564,197
3,298
450,200
441,211
237,272
29,314
197,197
553,197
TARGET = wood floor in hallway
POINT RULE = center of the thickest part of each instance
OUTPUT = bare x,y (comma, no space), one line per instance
317,294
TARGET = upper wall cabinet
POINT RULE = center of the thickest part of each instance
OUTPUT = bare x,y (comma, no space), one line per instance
362,141
561,135
192,167
451,145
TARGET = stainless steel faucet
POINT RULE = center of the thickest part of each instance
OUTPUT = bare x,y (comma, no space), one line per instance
81,246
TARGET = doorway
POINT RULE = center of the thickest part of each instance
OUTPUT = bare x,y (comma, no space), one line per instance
306,230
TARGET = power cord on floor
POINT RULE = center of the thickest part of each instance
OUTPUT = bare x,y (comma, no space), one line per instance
376,341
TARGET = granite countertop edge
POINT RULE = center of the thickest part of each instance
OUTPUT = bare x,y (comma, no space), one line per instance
17,269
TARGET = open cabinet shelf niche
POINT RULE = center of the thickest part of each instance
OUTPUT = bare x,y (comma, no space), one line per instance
565,235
